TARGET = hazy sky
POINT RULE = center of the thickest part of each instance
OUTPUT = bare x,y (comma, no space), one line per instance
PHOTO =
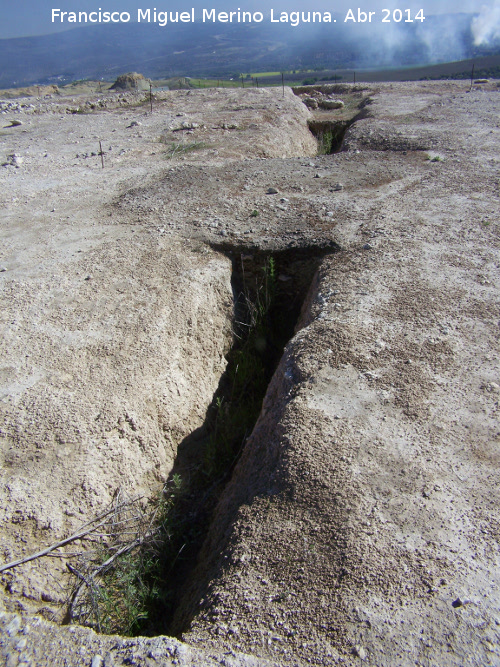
33,17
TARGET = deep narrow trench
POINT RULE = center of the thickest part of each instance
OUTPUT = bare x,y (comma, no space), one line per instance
269,290
329,134
139,592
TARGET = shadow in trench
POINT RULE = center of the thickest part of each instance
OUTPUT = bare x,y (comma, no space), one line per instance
269,291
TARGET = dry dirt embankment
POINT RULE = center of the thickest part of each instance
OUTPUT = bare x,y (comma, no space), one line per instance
360,522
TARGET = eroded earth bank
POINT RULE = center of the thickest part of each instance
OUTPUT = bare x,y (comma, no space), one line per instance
360,524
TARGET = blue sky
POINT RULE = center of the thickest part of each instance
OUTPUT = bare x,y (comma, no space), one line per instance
33,17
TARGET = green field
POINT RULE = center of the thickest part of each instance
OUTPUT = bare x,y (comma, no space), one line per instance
263,74
213,83
258,75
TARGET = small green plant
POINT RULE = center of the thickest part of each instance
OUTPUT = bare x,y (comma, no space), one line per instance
181,148
325,142
434,158
119,583
254,213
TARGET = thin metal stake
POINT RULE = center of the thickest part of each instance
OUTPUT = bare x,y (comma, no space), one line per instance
283,83
101,153
151,96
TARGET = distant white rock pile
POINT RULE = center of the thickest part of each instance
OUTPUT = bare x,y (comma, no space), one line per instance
316,99
131,81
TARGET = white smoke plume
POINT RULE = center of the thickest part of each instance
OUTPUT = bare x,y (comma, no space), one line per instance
486,26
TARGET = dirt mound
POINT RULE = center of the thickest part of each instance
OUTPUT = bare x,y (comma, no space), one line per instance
131,81
29,91
328,89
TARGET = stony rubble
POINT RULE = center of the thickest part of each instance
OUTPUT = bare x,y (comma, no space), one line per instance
36,643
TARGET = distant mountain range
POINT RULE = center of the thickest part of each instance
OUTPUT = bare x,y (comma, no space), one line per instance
223,50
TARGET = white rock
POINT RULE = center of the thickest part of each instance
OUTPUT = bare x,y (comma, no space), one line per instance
13,627
359,651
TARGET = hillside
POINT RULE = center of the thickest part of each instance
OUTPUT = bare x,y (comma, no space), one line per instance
224,50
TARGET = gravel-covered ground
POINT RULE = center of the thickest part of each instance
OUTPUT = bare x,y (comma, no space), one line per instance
360,525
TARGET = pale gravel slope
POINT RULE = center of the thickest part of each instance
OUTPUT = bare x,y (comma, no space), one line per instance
113,337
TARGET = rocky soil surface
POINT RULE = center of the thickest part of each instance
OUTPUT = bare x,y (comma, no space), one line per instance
360,525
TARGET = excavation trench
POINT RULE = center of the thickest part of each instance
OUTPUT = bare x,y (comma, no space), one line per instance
269,290
329,134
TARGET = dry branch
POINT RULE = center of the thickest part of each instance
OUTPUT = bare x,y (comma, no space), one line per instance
89,528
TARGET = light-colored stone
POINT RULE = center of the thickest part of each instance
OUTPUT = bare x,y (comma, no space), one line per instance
14,626
330,104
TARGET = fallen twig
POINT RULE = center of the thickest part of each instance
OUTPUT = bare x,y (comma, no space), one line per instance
89,528
90,586
44,552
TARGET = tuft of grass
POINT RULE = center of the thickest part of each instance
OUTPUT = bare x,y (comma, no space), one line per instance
434,158
178,149
325,142
119,584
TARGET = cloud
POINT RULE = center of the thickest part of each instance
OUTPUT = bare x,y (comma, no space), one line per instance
486,26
